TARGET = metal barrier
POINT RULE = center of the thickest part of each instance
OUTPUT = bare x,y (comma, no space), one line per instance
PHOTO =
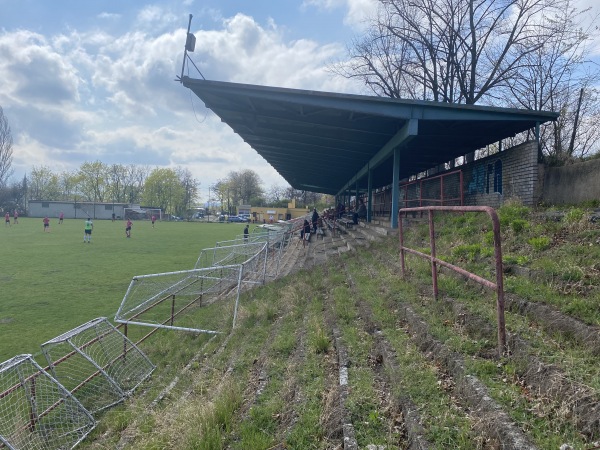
427,185
498,286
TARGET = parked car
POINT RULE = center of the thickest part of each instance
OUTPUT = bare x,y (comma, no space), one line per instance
237,219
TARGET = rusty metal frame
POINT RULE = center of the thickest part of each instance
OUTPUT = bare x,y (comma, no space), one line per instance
498,286
441,199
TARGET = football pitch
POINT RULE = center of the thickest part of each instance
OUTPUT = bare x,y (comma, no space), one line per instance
51,282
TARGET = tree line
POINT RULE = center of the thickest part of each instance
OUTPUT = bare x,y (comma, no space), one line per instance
175,191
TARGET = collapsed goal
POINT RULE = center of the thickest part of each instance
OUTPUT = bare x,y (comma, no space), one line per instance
36,411
97,364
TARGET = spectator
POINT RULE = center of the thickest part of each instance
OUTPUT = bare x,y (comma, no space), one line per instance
246,233
314,219
305,233
361,212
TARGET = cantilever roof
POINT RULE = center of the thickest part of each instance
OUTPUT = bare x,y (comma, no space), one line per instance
326,142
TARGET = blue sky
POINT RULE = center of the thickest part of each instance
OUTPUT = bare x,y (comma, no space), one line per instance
93,80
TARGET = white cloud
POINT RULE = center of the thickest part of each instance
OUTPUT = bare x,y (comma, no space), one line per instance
82,95
34,73
109,16
245,52
357,11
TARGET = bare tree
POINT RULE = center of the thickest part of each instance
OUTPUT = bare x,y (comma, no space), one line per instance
276,194
6,151
243,187
525,53
190,187
554,79
456,51
135,179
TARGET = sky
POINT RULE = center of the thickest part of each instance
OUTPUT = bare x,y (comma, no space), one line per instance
82,81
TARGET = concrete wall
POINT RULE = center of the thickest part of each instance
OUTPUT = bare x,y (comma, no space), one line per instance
72,210
515,170
570,184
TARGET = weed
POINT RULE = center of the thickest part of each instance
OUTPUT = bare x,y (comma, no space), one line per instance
519,225
320,341
539,243
467,252
512,210
520,260
488,238
573,216
572,273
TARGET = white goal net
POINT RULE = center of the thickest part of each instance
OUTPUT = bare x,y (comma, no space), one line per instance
97,363
36,411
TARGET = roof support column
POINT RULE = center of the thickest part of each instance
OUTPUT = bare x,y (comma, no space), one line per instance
395,188
369,195
537,140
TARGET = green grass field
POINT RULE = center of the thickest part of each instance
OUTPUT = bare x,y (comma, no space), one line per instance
51,282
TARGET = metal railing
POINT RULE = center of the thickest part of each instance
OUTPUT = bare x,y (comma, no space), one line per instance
498,286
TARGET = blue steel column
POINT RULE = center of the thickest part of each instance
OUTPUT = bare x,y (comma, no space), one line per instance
537,140
395,188
369,194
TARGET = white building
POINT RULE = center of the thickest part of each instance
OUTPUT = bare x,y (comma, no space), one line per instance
76,210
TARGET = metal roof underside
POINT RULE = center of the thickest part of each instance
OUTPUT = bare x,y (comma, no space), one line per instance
327,142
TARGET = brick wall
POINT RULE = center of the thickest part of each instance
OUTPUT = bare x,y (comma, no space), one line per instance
508,174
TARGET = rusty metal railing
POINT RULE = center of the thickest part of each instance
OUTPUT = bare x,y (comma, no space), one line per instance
498,286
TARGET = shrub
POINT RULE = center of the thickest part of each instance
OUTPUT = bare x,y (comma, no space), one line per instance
572,273
520,260
539,243
510,211
519,225
488,238
573,216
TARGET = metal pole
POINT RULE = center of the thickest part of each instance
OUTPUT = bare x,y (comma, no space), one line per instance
395,188
369,196
402,255
433,263
172,308
185,48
